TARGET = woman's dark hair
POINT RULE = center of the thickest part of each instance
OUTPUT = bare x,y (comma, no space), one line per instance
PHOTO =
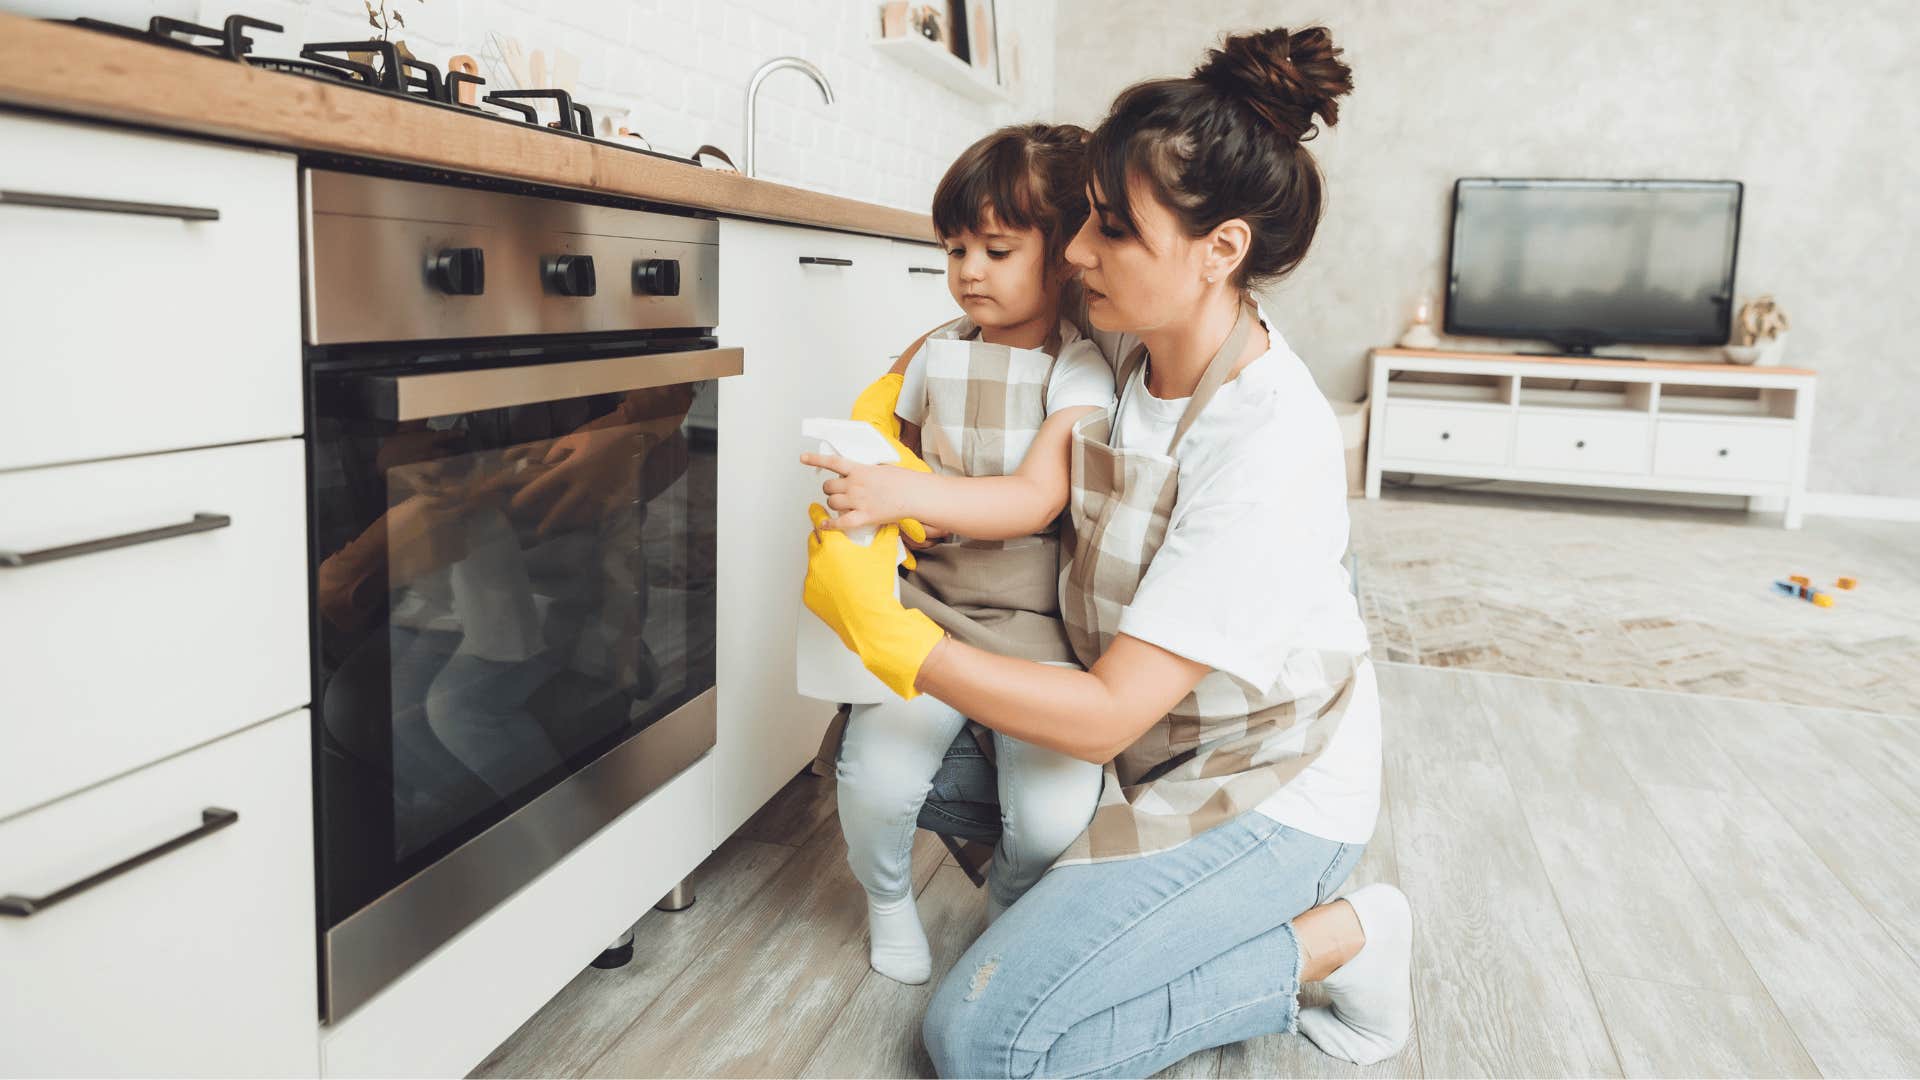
1029,176
1228,142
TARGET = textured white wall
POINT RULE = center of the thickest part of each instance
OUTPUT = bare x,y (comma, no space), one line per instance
681,67
1816,107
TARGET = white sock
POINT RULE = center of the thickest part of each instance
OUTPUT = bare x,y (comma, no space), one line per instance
1372,994
896,943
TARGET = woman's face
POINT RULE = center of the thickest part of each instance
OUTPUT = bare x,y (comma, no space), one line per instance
1138,282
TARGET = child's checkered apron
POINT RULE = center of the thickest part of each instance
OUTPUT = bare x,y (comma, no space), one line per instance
1223,749
985,405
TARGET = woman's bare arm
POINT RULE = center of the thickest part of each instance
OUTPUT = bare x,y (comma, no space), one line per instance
1091,715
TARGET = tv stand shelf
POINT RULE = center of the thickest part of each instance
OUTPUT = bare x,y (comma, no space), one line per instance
1648,425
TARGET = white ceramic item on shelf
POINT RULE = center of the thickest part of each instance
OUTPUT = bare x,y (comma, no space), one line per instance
1741,354
1420,334
1772,350
824,669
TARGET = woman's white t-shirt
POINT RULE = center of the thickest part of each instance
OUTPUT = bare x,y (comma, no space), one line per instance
1252,570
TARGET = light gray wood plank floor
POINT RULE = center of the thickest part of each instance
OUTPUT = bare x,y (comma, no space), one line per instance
1605,881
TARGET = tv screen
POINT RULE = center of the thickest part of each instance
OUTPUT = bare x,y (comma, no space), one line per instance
1582,263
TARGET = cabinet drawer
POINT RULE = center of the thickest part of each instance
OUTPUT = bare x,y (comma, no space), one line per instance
199,962
130,332
1568,440
919,284
1724,450
1422,432
122,656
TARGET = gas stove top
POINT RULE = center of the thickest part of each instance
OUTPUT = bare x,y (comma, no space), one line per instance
390,73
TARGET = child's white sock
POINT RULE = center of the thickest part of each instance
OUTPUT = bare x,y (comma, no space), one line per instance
1372,994
896,943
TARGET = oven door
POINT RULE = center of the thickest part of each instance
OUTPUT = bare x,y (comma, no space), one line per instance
514,627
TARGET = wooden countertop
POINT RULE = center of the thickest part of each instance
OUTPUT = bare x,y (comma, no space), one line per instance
66,69
1595,361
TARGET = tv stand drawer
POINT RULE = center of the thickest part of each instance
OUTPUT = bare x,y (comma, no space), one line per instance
1463,434
1564,440
1723,450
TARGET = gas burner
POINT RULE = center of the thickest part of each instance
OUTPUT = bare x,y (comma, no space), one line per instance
345,62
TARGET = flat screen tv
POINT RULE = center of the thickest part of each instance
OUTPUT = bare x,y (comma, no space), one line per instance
1581,263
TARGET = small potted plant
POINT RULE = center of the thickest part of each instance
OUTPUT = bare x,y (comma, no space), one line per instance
1763,331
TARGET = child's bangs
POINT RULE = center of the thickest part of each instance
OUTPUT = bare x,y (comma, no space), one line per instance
989,185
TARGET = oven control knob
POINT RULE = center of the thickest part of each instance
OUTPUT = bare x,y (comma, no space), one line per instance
656,277
460,271
570,275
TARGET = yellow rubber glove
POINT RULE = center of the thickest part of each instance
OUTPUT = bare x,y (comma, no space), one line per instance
876,405
850,587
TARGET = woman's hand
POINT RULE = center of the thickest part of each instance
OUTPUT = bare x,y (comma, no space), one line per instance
864,495
850,587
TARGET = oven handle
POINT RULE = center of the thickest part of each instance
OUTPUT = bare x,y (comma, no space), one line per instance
417,397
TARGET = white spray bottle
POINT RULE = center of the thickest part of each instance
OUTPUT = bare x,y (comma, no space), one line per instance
826,669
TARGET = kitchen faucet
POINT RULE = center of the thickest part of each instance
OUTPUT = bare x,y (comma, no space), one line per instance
753,94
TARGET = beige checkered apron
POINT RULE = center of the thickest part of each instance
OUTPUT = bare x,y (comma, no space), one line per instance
985,405
1224,748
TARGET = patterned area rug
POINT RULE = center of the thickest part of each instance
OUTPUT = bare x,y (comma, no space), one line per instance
1667,599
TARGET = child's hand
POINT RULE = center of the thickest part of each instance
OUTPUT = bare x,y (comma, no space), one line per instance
865,495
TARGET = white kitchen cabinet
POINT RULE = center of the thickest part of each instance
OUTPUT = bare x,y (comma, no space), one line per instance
116,658
149,291
199,962
813,311
919,284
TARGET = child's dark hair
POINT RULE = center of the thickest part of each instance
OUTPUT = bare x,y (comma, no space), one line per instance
1228,142
1029,176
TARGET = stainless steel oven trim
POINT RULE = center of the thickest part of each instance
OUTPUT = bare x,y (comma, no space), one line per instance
379,943
368,246
417,397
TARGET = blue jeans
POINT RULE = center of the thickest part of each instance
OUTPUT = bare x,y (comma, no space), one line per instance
1122,968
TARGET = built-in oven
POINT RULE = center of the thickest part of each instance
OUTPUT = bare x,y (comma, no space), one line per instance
512,440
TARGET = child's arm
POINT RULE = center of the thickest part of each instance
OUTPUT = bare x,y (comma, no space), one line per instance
982,507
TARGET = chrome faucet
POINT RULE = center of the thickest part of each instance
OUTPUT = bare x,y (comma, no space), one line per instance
753,95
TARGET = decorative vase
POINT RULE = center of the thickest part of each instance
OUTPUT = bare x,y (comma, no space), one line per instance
1772,350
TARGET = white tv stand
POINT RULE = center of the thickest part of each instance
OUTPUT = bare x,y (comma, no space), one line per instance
1651,425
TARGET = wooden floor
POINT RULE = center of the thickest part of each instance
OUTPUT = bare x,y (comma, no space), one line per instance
1604,882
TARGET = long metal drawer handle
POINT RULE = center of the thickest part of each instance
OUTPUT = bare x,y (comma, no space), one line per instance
822,260
108,206
212,820
925,270
447,393
200,523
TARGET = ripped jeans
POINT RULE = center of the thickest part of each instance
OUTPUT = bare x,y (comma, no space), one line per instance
1122,968
886,768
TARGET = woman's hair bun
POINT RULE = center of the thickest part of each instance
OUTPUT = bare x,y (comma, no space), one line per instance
1285,77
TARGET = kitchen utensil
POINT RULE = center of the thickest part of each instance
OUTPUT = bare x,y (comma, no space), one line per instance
469,93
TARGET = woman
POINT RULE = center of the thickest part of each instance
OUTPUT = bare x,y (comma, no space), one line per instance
1227,689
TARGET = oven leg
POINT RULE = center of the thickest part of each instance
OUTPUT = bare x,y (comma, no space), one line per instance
616,954
680,899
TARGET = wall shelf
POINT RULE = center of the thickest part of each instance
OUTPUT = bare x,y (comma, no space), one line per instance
931,59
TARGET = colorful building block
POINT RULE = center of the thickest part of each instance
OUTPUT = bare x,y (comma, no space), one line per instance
1797,587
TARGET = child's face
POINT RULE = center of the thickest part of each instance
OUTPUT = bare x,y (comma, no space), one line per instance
998,275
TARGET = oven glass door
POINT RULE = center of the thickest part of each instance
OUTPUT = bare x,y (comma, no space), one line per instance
507,586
